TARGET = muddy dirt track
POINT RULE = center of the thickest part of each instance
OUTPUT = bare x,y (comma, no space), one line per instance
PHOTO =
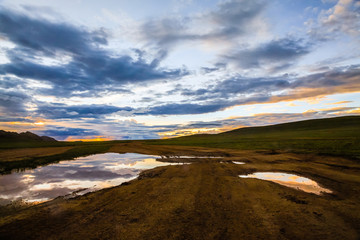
204,200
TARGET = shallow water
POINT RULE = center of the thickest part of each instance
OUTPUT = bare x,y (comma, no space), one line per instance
290,180
82,175
176,156
238,162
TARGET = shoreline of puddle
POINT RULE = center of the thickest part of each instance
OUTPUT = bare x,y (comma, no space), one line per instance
290,180
72,178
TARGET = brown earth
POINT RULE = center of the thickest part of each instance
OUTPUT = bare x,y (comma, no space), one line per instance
204,200
28,153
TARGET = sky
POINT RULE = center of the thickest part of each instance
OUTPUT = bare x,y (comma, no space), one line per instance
99,70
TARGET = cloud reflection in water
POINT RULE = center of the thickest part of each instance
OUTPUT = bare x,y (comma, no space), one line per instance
90,173
290,180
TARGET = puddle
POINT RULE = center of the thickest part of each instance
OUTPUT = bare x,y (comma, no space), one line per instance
174,156
290,180
238,162
235,162
75,177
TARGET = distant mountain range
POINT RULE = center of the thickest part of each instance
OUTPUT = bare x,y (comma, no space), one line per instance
23,137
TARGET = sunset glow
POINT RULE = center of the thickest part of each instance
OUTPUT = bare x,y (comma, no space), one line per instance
95,139
147,70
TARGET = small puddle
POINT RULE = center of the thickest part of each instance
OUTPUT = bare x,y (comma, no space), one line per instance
238,162
75,177
290,180
234,162
176,156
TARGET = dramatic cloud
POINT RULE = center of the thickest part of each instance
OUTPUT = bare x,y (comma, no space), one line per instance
104,129
343,18
88,67
185,108
274,55
216,67
13,102
58,111
224,94
231,23
130,129
15,119
242,90
227,93
239,85
61,133
230,20
199,108
234,18
123,70
48,37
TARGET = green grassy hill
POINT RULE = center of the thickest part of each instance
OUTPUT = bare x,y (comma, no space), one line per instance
339,136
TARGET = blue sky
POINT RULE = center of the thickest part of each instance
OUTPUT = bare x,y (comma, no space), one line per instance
151,69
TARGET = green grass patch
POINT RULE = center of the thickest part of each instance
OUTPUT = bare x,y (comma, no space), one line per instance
335,136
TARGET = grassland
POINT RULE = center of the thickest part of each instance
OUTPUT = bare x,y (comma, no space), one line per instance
206,199
334,136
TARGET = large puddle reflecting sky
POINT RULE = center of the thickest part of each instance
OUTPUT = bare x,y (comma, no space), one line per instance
290,180
83,175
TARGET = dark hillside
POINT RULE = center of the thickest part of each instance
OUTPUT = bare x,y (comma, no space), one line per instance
23,137
340,136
